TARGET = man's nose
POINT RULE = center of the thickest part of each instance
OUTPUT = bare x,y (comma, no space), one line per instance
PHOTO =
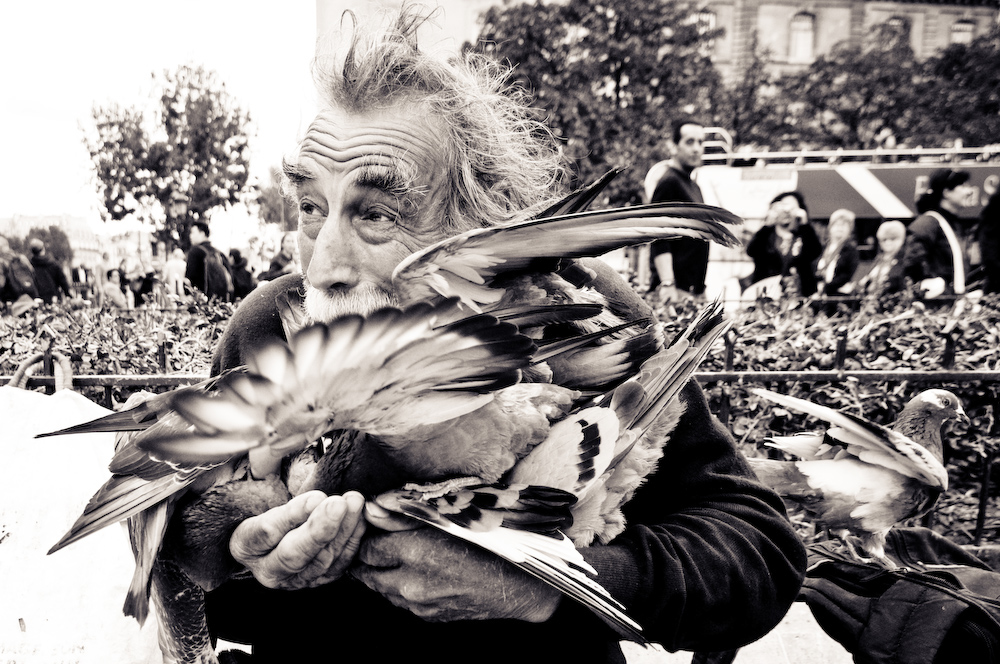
334,259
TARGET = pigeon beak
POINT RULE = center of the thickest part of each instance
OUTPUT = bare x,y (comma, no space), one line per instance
961,417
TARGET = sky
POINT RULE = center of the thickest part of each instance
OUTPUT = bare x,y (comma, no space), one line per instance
60,58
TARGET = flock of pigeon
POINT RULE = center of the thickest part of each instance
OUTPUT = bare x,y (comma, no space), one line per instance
496,330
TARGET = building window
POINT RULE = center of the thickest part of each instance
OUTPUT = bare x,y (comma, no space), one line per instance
962,32
801,37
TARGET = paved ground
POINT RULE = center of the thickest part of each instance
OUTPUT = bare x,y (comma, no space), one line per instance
796,640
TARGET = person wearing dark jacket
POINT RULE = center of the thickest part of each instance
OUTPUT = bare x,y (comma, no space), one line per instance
839,259
989,244
243,281
50,280
886,274
284,261
934,258
707,560
786,245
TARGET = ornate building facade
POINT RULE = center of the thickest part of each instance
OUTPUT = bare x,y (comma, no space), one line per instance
796,32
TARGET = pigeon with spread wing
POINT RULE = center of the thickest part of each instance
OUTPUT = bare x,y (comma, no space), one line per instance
861,478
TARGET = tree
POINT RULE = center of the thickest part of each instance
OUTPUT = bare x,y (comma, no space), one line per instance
846,98
608,76
175,164
275,207
961,94
752,111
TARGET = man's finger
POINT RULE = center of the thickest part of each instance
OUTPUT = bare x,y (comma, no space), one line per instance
382,518
259,535
323,526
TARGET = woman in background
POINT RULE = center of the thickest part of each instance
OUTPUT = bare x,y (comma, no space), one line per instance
839,261
886,275
284,262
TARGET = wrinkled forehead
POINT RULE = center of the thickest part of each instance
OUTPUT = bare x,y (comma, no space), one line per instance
404,139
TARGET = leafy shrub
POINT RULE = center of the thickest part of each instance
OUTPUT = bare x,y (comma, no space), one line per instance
784,336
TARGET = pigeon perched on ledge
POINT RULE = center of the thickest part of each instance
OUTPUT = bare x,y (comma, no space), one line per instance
861,478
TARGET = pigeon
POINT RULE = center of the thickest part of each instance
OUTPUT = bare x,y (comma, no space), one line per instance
569,490
861,478
196,445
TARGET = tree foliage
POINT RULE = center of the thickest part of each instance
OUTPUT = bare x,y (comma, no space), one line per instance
961,91
846,98
56,243
177,162
608,76
275,207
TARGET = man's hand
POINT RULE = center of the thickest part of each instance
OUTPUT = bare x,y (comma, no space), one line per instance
441,579
308,541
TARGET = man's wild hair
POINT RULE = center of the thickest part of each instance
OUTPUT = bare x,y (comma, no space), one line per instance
503,164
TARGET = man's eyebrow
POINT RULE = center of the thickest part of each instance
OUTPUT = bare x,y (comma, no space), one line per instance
390,179
296,174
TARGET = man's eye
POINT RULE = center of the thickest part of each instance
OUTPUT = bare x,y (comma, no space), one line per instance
305,207
380,217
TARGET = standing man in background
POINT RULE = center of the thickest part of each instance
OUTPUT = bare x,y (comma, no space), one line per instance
680,265
50,280
207,269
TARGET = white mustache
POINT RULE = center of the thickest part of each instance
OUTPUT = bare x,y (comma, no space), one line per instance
324,306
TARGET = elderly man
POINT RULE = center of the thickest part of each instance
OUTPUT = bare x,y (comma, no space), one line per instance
407,150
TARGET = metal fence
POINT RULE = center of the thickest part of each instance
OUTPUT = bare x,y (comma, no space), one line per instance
727,378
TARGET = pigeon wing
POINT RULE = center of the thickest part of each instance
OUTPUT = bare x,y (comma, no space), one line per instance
871,442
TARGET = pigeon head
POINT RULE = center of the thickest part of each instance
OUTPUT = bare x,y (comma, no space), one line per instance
942,405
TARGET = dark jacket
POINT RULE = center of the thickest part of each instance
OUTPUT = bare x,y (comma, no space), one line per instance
989,244
690,256
846,264
885,276
50,280
708,560
768,261
927,252
276,268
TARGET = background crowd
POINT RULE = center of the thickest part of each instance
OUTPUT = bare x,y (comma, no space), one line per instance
171,278
940,254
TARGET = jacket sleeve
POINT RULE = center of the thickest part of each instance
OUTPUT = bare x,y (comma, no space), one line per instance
918,242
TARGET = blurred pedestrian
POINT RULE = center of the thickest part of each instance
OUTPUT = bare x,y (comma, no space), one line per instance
173,274
680,266
988,234
934,257
839,259
17,277
243,281
207,269
786,245
50,279
111,291
886,274
283,262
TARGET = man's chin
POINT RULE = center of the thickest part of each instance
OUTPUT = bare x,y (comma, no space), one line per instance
324,306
